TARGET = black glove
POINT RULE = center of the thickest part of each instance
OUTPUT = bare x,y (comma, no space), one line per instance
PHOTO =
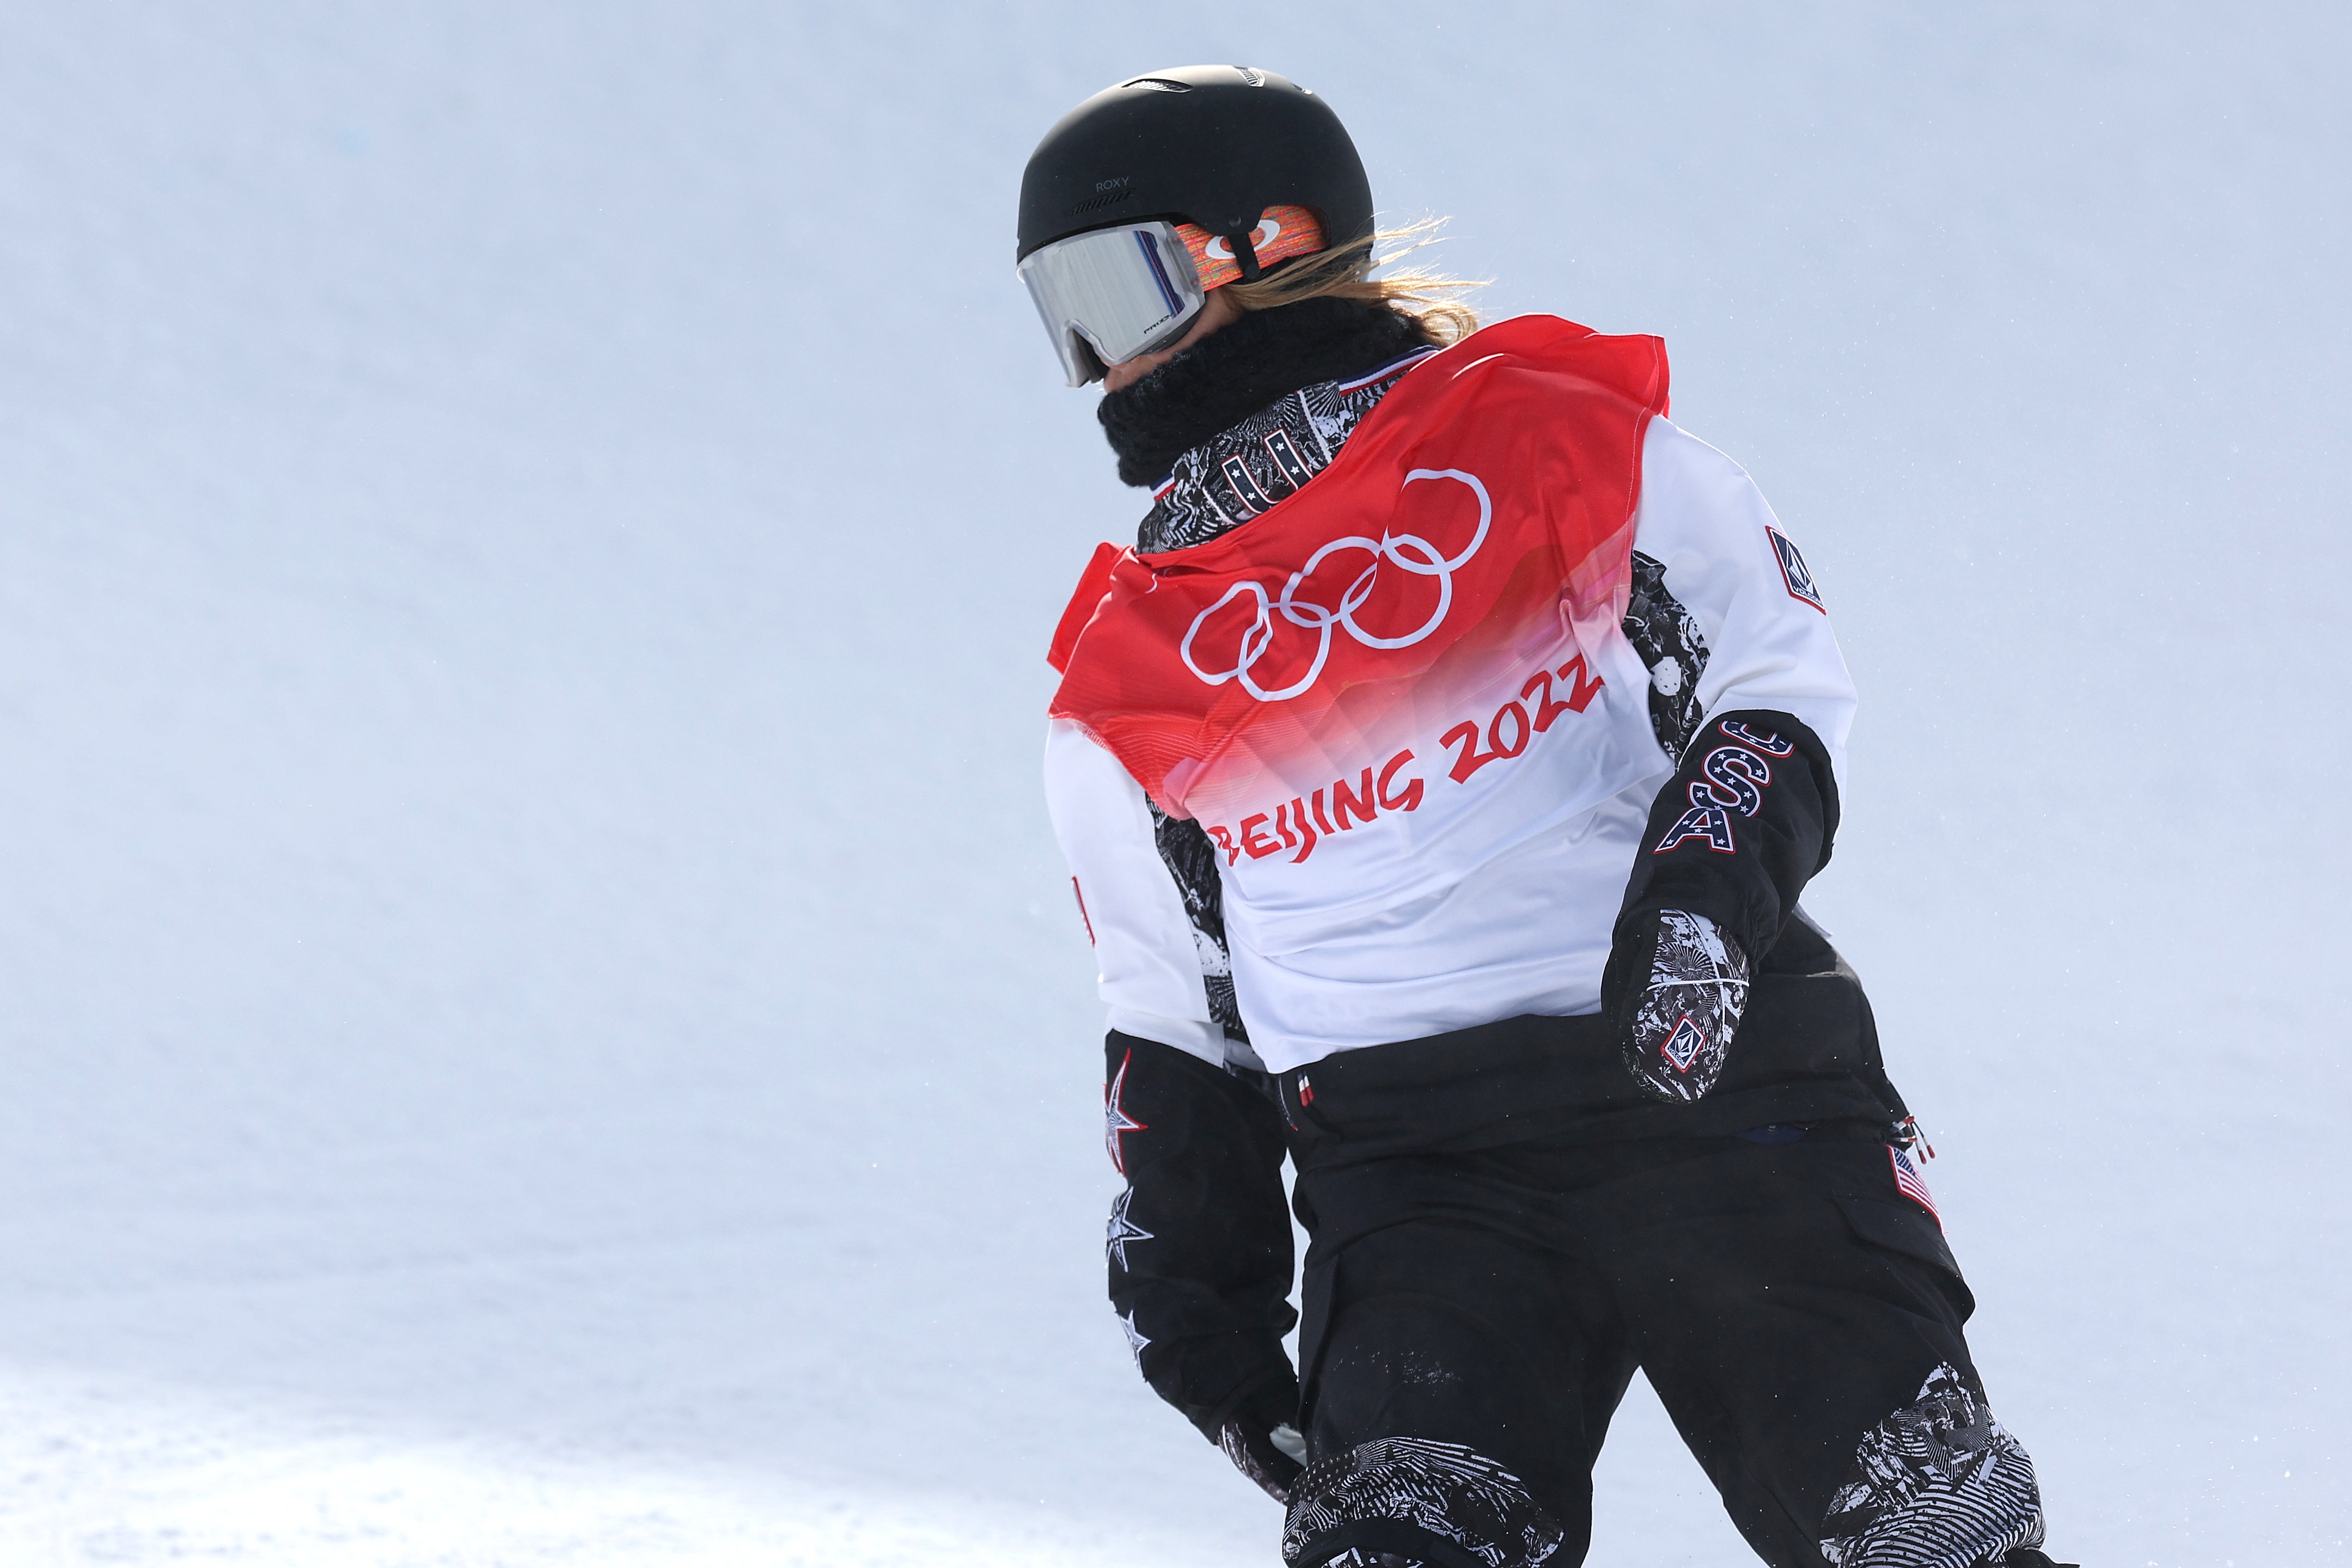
1200,1247
1677,987
1745,822
1260,1437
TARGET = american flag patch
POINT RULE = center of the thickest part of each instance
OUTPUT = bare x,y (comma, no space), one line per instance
1907,1178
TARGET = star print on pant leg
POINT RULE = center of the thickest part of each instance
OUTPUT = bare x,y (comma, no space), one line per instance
1115,1120
1135,1340
1122,1230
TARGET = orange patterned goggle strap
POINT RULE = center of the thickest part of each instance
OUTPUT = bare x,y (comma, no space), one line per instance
1281,234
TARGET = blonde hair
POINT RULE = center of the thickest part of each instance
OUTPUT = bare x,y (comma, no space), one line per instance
1345,272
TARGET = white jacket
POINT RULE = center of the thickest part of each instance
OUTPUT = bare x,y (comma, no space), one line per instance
1470,899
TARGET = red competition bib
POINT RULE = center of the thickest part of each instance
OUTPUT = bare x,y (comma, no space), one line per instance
1481,513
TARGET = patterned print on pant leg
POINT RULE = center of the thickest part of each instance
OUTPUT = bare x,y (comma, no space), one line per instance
1938,1484
1453,1492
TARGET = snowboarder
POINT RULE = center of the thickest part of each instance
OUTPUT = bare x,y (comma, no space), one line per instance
1439,774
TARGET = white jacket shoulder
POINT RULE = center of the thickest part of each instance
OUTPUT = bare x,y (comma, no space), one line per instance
1740,575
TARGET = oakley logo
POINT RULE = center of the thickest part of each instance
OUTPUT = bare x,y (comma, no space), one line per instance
1264,234
1408,553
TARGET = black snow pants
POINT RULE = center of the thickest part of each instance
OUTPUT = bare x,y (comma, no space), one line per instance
1472,1319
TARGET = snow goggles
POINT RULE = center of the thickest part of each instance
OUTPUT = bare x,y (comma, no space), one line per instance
1109,295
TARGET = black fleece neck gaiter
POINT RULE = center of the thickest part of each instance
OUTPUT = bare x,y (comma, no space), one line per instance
1234,372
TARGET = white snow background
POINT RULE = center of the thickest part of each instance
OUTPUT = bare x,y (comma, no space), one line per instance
543,1021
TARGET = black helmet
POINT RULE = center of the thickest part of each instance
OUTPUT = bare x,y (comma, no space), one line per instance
1211,145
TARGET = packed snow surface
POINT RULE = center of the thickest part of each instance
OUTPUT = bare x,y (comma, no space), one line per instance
543,1021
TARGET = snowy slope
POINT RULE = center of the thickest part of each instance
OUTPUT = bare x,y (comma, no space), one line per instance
543,1017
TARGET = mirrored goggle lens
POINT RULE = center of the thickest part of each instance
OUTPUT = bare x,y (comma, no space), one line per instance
1124,291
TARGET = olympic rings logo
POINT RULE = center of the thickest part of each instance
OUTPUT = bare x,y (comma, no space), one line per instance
1407,552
